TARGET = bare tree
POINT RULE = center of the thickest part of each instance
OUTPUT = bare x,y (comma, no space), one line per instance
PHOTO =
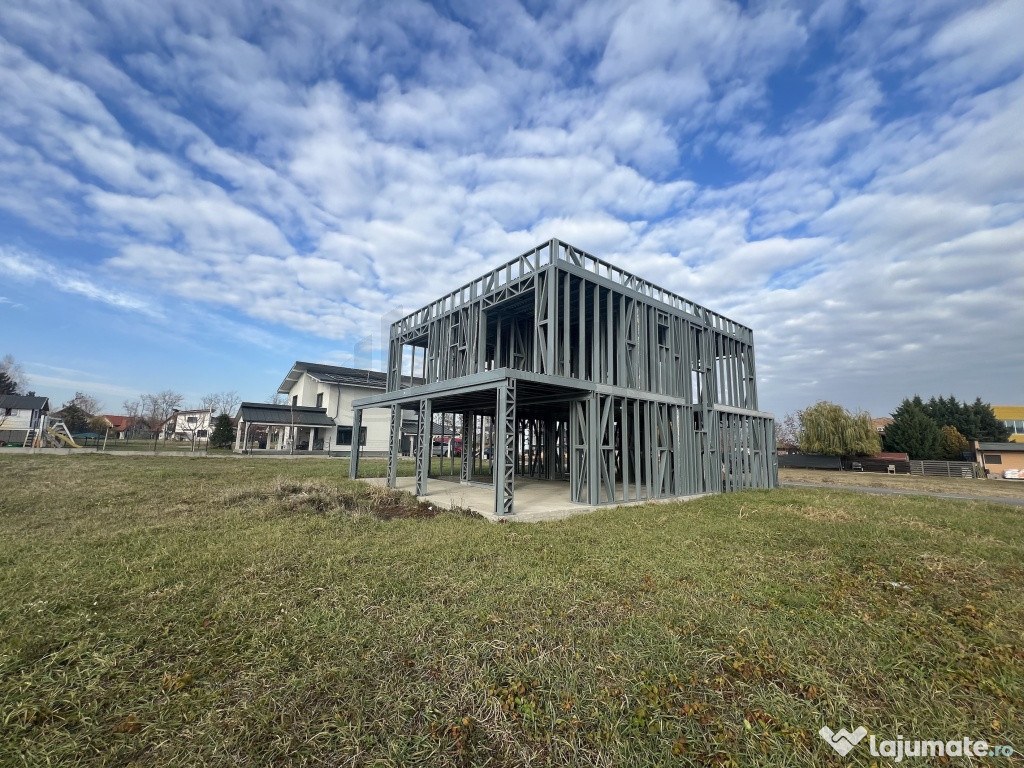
787,432
89,404
276,398
229,402
220,402
158,407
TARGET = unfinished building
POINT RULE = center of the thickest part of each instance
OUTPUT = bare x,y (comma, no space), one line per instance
561,367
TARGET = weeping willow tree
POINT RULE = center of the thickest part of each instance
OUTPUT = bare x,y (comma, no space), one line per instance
832,430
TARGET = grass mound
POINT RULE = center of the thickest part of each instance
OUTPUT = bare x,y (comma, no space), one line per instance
285,496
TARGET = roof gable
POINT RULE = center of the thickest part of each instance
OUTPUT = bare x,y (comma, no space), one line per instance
25,402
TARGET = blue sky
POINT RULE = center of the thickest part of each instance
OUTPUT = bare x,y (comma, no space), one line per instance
193,195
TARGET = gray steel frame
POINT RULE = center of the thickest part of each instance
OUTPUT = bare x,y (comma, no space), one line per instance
628,390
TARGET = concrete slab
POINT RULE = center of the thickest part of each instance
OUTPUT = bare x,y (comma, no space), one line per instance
535,500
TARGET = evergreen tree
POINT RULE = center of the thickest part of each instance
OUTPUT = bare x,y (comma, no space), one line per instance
223,432
974,421
913,432
75,418
7,385
990,429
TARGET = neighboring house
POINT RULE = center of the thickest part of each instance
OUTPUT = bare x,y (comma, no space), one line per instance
20,417
880,424
125,427
333,388
188,425
284,428
997,459
1013,417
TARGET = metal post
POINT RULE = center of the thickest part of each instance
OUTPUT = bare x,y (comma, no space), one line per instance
423,447
505,448
353,460
394,445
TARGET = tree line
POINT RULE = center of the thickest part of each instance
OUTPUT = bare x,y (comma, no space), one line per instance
940,428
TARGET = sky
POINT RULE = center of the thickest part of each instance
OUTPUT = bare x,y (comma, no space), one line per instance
194,195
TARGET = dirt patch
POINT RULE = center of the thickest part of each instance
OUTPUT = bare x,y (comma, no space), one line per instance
382,503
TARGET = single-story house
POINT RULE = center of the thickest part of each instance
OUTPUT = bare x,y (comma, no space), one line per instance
124,427
997,458
285,428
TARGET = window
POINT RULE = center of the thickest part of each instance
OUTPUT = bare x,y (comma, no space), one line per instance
993,458
295,400
319,399
201,433
345,436
10,411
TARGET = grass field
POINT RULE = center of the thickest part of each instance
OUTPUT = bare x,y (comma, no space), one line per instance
998,489
161,612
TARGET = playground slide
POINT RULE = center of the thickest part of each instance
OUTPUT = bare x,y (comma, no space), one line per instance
66,439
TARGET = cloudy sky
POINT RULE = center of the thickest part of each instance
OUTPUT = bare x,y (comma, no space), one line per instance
193,195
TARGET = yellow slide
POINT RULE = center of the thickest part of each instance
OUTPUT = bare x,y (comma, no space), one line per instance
55,432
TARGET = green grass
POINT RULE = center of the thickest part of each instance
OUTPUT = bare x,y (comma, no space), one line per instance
162,612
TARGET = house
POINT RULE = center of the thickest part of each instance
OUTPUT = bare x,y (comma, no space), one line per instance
125,427
1013,417
21,417
572,369
333,388
284,428
880,424
188,426
997,459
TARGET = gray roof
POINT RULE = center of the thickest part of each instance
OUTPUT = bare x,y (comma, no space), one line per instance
1002,446
300,416
334,374
25,402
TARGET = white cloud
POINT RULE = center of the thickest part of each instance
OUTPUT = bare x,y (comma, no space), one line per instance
311,168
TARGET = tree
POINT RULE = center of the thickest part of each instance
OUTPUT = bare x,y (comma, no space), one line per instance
75,418
89,404
787,432
220,402
12,376
913,431
7,384
223,432
990,429
157,408
953,444
832,430
975,421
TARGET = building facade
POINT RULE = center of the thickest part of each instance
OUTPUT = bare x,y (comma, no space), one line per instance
334,388
1013,417
558,365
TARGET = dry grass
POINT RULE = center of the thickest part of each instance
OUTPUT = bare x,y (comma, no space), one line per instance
160,612
996,489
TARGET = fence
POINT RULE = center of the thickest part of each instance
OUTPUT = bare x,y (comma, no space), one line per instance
942,468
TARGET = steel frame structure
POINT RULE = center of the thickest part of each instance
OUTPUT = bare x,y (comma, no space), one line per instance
563,366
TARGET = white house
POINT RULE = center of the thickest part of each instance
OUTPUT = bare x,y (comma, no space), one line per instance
333,388
20,417
188,426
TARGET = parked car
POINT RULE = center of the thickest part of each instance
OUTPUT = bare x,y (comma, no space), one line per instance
449,446
1011,474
